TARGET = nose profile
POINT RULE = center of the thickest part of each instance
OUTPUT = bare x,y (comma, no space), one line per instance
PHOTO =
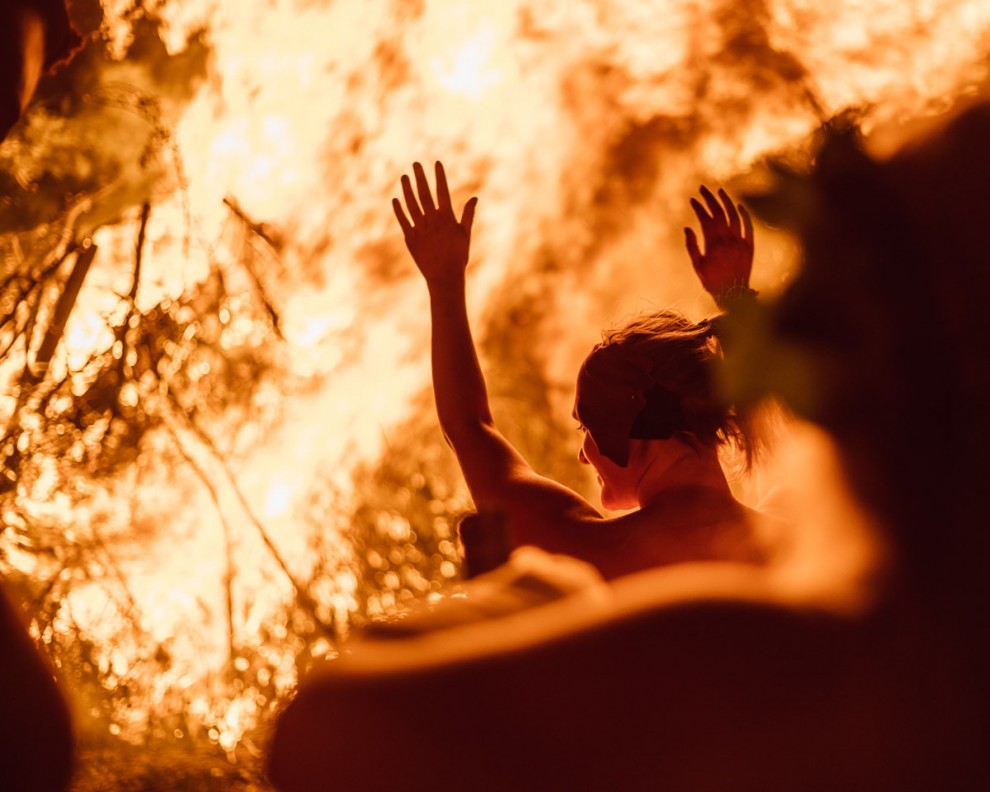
581,457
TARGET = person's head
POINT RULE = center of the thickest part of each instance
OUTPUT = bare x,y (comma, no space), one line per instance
653,380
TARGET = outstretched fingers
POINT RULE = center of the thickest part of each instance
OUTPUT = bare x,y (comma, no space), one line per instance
423,188
703,217
412,205
747,225
718,214
730,211
467,218
443,192
401,217
421,214
694,251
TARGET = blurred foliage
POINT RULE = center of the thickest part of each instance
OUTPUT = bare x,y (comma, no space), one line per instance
96,140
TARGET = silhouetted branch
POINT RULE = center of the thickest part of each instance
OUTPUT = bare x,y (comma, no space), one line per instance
66,302
228,577
302,595
258,229
139,253
261,231
120,332
132,612
33,375
18,331
32,295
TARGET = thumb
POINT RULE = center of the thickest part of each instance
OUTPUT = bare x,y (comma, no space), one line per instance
467,218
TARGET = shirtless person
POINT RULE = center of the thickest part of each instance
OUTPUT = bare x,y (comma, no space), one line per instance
645,400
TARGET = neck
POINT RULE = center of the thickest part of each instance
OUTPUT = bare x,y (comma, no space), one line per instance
693,477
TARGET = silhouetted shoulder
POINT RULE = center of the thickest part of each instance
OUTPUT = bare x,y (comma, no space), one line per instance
687,693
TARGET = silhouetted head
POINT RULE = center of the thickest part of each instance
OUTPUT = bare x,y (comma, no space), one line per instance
886,326
653,379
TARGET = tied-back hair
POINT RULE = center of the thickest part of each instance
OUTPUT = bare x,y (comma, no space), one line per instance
684,357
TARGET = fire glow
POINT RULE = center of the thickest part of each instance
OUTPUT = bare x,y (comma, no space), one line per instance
583,127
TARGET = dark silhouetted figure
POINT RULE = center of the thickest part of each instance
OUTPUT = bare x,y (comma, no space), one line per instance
35,731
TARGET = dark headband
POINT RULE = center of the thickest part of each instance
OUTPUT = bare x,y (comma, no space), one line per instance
619,398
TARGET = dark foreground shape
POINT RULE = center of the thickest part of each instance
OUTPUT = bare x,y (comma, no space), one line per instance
658,686
35,731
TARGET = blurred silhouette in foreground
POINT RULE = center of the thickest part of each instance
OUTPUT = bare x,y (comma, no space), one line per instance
35,35
35,732
860,662
646,402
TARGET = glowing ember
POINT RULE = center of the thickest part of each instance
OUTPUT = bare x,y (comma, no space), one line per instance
583,126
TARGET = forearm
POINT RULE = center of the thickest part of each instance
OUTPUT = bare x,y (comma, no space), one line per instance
439,244
458,382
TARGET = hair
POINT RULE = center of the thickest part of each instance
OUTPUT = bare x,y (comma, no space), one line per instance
684,357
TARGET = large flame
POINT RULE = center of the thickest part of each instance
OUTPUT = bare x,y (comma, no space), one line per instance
582,125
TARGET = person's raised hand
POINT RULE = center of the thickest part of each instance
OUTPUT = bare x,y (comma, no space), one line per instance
724,268
438,241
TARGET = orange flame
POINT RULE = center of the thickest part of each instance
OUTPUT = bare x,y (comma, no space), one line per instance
582,126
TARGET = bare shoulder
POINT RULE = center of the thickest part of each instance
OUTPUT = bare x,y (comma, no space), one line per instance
546,513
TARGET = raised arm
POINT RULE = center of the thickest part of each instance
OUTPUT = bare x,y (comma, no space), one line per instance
440,244
539,511
724,268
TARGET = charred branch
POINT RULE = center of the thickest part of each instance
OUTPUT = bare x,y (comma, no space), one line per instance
228,578
139,254
34,375
66,302
303,597
261,231
121,331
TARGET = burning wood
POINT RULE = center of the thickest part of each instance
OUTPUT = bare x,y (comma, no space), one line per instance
226,462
